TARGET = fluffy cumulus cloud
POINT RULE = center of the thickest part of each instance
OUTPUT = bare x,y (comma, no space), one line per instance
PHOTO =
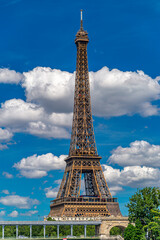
20,116
16,113
115,189
5,137
50,93
5,191
2,213
7,175
51,88
132,176
29,213
51,192
5,134
3,146
139,153
38,166
13,214
124,93
117,92
18,201
10,76
141,166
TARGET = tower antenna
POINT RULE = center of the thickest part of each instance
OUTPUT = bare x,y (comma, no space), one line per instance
81,20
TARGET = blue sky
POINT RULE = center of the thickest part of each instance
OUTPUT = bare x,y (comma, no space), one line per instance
37,64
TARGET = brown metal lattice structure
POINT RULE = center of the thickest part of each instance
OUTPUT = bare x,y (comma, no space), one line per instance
83,157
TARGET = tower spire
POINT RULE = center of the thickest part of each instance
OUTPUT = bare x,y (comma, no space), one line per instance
81,19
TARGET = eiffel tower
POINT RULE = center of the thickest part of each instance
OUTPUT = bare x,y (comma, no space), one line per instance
83,163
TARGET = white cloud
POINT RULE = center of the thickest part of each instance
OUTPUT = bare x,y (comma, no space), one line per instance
117,92
5,137
47,130
13,214
58,181
139,153
7,175
5,191
45,181
2,213
115,189
124,93
20,116
51,88
132,176
3,146
38,166
18,201
114,93
141,162
16,112
29,213
51,192
5,134
50,92
10,76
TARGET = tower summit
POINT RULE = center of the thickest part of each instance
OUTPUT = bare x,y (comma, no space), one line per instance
83,162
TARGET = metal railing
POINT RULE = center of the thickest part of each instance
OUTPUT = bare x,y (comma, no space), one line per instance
84,200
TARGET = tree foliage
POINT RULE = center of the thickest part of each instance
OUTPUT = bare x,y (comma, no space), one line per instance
129,232
116,231
139,232
90,230
153,228
10,231
64,230
141,204
78,230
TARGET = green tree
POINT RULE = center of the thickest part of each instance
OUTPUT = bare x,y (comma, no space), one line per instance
10,231
116,231
139,232
141,204
24,231
129,232
51,231
50,219
153,228
64,230
78,230
37,231
90,230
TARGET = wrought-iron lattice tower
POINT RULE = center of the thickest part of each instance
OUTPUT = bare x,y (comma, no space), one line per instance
83,158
